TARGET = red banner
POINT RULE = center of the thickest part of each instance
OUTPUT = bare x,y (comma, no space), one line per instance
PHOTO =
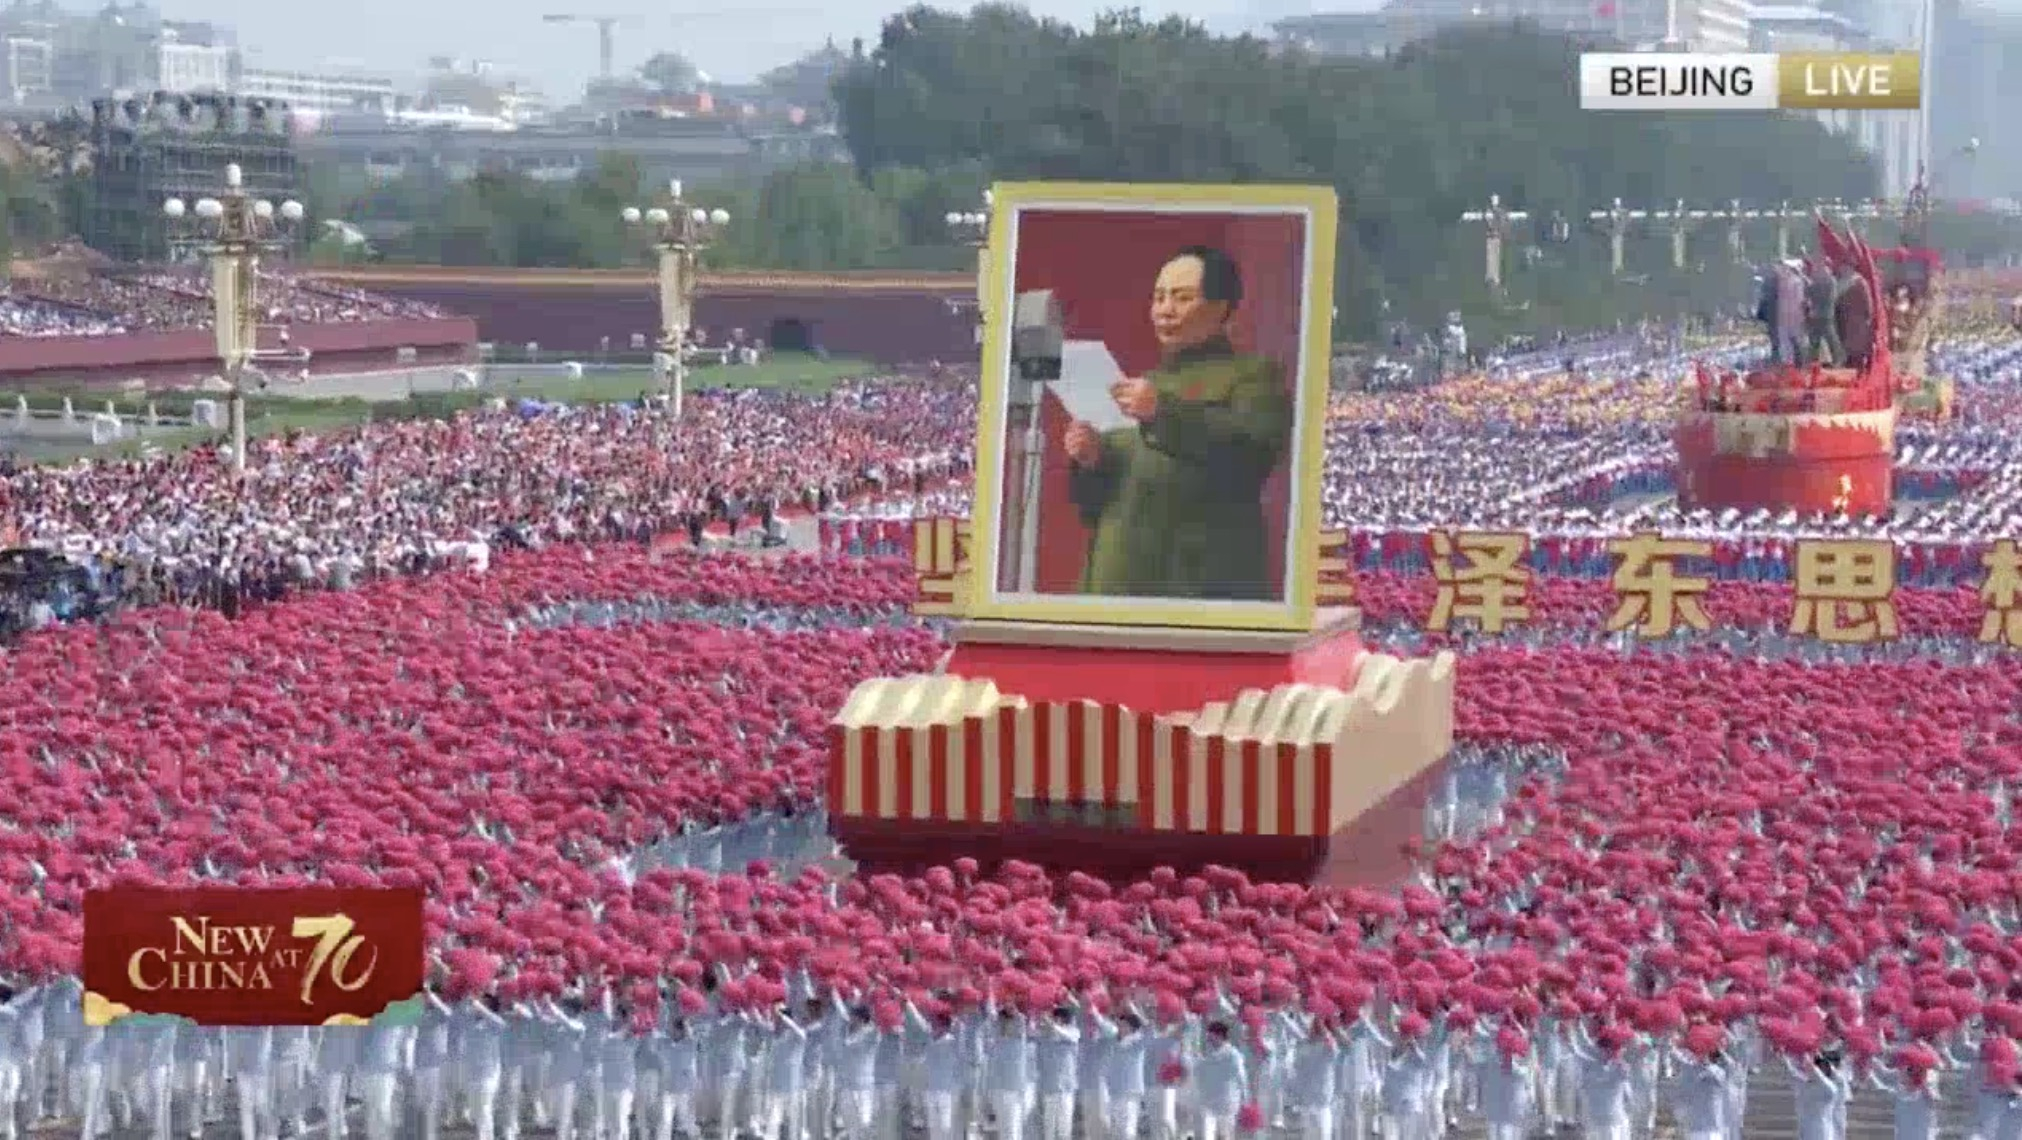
251,956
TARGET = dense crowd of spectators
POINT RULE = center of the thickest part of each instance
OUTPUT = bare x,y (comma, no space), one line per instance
112,303
1581,456
390,498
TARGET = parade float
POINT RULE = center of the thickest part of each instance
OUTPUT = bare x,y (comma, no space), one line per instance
1115,731
1813,428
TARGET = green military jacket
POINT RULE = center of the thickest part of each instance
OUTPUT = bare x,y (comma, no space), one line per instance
1174,505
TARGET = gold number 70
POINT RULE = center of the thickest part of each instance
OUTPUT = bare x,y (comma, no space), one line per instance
335,945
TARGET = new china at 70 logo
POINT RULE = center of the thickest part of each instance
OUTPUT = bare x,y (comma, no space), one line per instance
232,956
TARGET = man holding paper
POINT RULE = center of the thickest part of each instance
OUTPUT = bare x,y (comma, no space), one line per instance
1175,499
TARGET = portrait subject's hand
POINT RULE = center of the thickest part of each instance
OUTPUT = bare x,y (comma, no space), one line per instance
1084,447
1135,398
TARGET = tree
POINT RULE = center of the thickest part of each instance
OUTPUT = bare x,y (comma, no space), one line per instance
1410,142
815,217
670,72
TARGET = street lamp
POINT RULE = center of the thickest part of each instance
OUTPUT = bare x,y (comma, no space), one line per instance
973,230
233,231
677,233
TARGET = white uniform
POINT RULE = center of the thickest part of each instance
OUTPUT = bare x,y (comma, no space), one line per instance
855,1072
1507,1094
1007,1076
1699,1099
1058,1057
783,1081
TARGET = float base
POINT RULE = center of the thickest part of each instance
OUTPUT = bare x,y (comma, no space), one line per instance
1162,671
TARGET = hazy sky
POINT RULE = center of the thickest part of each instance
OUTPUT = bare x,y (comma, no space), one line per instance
732,41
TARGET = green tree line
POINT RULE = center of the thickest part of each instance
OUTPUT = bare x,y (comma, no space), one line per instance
946,102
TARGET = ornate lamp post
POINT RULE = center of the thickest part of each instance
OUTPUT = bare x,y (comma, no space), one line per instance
233,230
973,230
1495,222
677,233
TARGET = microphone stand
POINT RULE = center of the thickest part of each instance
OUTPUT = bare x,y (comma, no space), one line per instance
1027,400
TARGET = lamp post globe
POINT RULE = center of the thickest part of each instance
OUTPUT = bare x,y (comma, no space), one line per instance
719,217
174,208
658,216
699,216
291,211
630,215
263,210
210,209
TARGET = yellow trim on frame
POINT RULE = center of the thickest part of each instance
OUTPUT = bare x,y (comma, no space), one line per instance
1297,613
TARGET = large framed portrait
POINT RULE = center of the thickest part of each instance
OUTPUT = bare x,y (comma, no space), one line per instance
1154,399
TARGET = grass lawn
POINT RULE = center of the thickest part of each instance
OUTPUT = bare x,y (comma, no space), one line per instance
271,414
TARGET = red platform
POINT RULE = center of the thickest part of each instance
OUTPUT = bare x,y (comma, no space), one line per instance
1162,671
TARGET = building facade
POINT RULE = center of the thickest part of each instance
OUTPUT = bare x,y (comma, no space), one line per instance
28,63
187,69
315,93
705,152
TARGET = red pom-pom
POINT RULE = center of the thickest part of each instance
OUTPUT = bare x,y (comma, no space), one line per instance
1250,1118
1171,1072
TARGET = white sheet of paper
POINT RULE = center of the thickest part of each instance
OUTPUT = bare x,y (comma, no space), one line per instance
1086,372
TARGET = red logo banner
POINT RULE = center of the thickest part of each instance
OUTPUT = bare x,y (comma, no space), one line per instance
249,955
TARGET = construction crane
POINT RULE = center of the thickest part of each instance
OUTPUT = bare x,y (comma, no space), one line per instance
605,24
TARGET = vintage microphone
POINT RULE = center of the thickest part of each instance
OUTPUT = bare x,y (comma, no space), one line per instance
1037,336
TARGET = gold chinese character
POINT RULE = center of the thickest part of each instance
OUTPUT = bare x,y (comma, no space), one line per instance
1335,588
1653,597
1492,588
941,565
2002,591
1843,590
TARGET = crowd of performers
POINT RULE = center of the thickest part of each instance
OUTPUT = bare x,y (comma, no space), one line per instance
1839,918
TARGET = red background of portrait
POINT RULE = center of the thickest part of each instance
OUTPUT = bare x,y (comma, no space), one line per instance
1100,265
123,918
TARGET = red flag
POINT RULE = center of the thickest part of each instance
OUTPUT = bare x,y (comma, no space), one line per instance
1605,9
